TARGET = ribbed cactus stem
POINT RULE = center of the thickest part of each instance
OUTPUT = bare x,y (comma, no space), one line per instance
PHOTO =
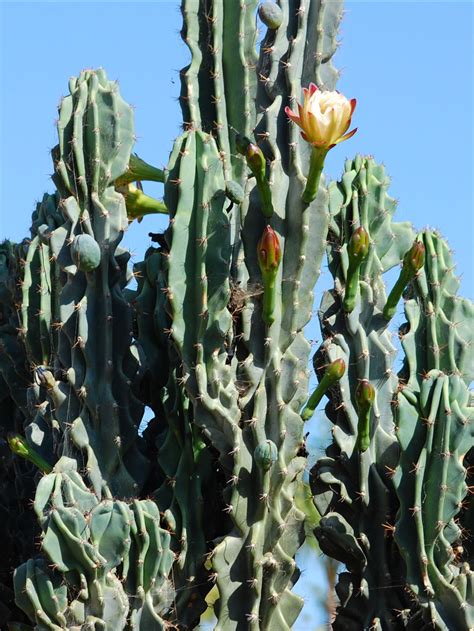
20,447
316,165
332,375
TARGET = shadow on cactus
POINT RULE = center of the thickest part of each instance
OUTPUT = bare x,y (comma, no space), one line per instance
142,531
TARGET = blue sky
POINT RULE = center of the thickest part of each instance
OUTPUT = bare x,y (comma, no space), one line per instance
408,63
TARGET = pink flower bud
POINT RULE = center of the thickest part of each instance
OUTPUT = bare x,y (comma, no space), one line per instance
269,251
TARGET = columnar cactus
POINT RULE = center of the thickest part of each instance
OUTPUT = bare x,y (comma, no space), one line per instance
136,530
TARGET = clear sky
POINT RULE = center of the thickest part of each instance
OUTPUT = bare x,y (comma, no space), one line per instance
408,63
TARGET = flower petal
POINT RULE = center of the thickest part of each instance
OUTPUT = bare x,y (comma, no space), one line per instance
294,117
346,136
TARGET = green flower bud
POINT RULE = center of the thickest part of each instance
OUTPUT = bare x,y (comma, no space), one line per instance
364,394
335,370
414,259
20,447
358,246
255,159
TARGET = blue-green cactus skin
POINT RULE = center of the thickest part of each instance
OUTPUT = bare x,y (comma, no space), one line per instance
136,530
402,486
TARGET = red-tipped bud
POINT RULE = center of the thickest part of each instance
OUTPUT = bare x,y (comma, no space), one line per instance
336,369
359,244
255,159
364,394
414,259
269,251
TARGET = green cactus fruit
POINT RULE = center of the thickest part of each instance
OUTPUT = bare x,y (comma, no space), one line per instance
364,396
358,247
270,14
357,250
85,252
269,257
413,262
333,374
265,454
20,447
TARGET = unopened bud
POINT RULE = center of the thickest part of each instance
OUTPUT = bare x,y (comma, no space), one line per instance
364,394
359,244
255,159
17,445
414,259
20,447
336,370
269,251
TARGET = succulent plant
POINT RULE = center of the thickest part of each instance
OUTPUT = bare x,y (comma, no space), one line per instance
135,530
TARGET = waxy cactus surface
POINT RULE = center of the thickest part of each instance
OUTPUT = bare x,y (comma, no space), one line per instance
142,531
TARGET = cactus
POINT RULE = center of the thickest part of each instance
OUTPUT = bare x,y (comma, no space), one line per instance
136,530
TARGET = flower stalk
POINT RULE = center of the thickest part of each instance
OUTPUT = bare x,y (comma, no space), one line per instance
269,257
357,250
413,261
333,374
